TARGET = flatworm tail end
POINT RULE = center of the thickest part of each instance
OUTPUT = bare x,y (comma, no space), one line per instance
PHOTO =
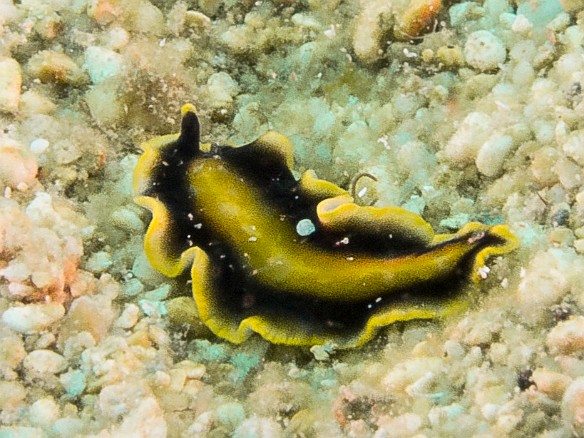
489,240
502,241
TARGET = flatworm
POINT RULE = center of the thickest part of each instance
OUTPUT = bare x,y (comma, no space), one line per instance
295,261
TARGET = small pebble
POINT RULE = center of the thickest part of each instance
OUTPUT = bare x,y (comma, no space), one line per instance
569,173
550,383
159,294
12,352
573,407
574,146
572,38
540,12
306,21
162,379
102,64
116,38
192,369
450,56
579,246
322,352
153,308
402,425
143,270
128,220
521,25
567,337
39,145
428,55
32,102
98,262
68,427
197,20
409,371
572,5
44,362
544,283
231,414
93,314
21,432
56,67
258,427
129,316
74,382
493,154
562,236
33,318
12,394
43,412
484,51
132,287
453,350
462,13
466,142
221,89
561,22
10,83
15,166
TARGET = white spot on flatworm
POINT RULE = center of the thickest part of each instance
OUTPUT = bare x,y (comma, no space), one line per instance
343,241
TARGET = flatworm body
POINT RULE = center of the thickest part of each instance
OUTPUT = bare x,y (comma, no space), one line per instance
234,215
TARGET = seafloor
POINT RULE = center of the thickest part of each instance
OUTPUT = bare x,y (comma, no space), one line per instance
478,117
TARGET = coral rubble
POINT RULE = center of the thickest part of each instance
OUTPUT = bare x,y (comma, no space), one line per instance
465,111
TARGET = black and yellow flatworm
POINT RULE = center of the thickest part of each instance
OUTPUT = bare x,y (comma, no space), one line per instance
295,260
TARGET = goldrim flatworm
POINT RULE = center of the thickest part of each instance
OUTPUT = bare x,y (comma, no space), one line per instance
295,261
